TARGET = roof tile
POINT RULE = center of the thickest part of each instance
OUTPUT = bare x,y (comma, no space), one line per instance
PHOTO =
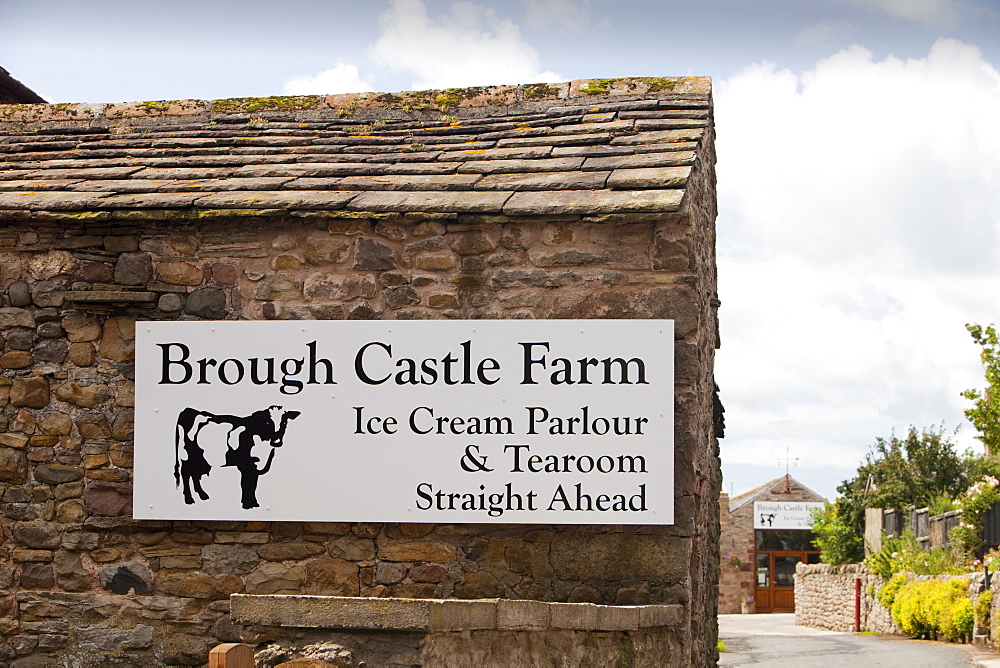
431,202
584,202
521,153
649,177
559,140
663,136
407,182
84,173
513,166
299,199
35,185
310,169
672,159
148,201
182,173
54,201
544,181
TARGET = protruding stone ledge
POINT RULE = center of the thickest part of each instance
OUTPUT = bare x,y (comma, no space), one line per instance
111,297
434,615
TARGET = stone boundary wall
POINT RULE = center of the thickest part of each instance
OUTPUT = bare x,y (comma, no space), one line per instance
824,598
479,632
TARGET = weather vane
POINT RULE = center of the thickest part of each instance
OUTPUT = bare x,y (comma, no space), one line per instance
788,462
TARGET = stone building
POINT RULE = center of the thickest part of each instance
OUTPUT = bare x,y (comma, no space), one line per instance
764,535
589,199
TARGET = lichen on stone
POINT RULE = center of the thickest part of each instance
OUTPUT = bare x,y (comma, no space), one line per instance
537,91
450,98
598,86
272,103
657,84
155,107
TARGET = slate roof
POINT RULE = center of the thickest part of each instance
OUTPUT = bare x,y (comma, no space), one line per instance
591,149
778,484
13,91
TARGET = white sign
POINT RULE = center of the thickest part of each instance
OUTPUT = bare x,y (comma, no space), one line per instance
783,514
514,421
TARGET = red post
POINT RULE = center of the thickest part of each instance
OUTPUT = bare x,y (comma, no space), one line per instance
857,605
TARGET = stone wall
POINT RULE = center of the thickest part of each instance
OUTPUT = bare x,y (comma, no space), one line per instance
736,544
824,598
82,583
482,632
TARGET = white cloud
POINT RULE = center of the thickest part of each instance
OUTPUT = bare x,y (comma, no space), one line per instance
928,13
859,230
342,78
568,15
467,45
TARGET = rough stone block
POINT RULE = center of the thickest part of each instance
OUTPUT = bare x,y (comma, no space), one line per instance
371,255
332,577
118,339
431,551
80,327
134,269
206,303
617,618
660,615
104,639
13,466
522,615
463,615
579,616
179,273
31,392
108,500
38,535
198,585
330,612
36,575
84,396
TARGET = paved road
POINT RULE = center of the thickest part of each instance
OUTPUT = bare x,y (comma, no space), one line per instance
774,640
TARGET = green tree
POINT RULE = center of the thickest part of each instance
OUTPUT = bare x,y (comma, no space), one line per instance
913,471
897,472
836,536
985,412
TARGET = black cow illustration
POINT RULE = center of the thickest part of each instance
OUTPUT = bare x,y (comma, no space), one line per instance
267,425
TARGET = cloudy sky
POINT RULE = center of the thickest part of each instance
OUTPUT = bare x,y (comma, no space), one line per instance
859,164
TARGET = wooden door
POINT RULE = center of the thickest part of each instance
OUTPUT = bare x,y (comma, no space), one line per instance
775,587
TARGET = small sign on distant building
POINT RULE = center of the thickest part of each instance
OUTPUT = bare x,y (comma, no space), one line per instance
783,514
548,421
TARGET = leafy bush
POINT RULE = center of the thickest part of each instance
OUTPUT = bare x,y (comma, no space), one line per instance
984,605
973,504
837,538
909,609
904,553
887,594
940,504
962,617
933,608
